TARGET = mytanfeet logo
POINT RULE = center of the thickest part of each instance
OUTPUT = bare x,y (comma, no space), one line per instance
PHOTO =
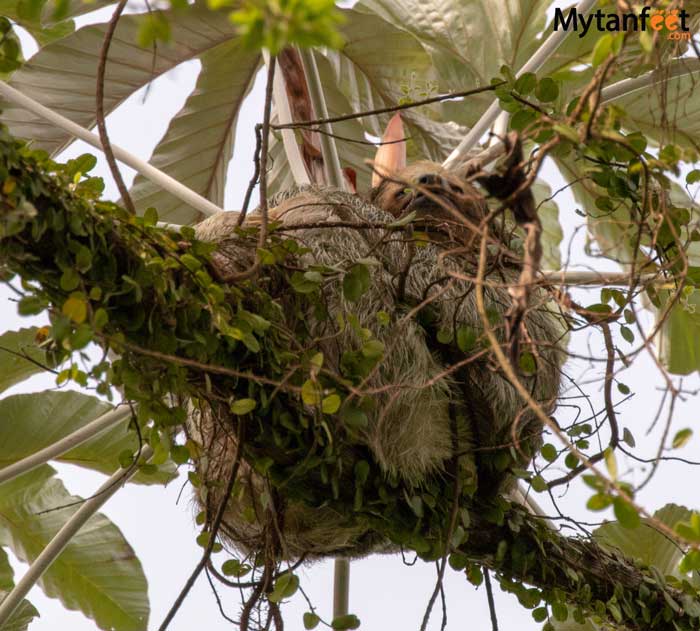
673,21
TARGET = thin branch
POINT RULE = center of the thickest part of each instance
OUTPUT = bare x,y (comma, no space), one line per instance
600,278
218,600
100,108
442,563
254,178
212,533
389,109
63,537
92,429
489,597
264,143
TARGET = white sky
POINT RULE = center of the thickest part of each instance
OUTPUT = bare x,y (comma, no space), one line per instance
384,593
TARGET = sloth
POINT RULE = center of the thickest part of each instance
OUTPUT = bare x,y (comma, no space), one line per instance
435,401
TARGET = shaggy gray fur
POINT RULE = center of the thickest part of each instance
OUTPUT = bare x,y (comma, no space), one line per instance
422,415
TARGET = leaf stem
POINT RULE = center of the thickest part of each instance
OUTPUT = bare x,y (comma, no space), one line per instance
92,429
331,161
62,538
161,179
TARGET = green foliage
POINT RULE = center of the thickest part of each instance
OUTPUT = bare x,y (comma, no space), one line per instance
10,51
97,573
274,25
22,616
285,587
20,356
213,323
40,419
149,294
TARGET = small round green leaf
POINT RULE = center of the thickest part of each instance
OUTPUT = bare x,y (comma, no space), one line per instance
330,404
681,438
549,452
243,406
547,90
356,282
311,620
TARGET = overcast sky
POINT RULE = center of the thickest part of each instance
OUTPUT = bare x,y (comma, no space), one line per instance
385,594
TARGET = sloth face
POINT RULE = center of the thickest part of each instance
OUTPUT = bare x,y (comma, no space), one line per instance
439,198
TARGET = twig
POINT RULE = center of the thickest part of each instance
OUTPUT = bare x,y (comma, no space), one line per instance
216,597
609,410
389,109
256,175
213,531
489,597
100,111
262,235
448,535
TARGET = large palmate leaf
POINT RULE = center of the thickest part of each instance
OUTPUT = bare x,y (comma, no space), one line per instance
644,544
198,144
469,39
30,422
25,613
552,234
382,65
62,74
97,573
669,111
379,66
20,357
21,618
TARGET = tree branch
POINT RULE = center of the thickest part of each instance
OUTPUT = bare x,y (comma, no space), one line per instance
35,208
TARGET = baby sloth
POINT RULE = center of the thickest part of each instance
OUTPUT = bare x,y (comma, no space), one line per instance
437,395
